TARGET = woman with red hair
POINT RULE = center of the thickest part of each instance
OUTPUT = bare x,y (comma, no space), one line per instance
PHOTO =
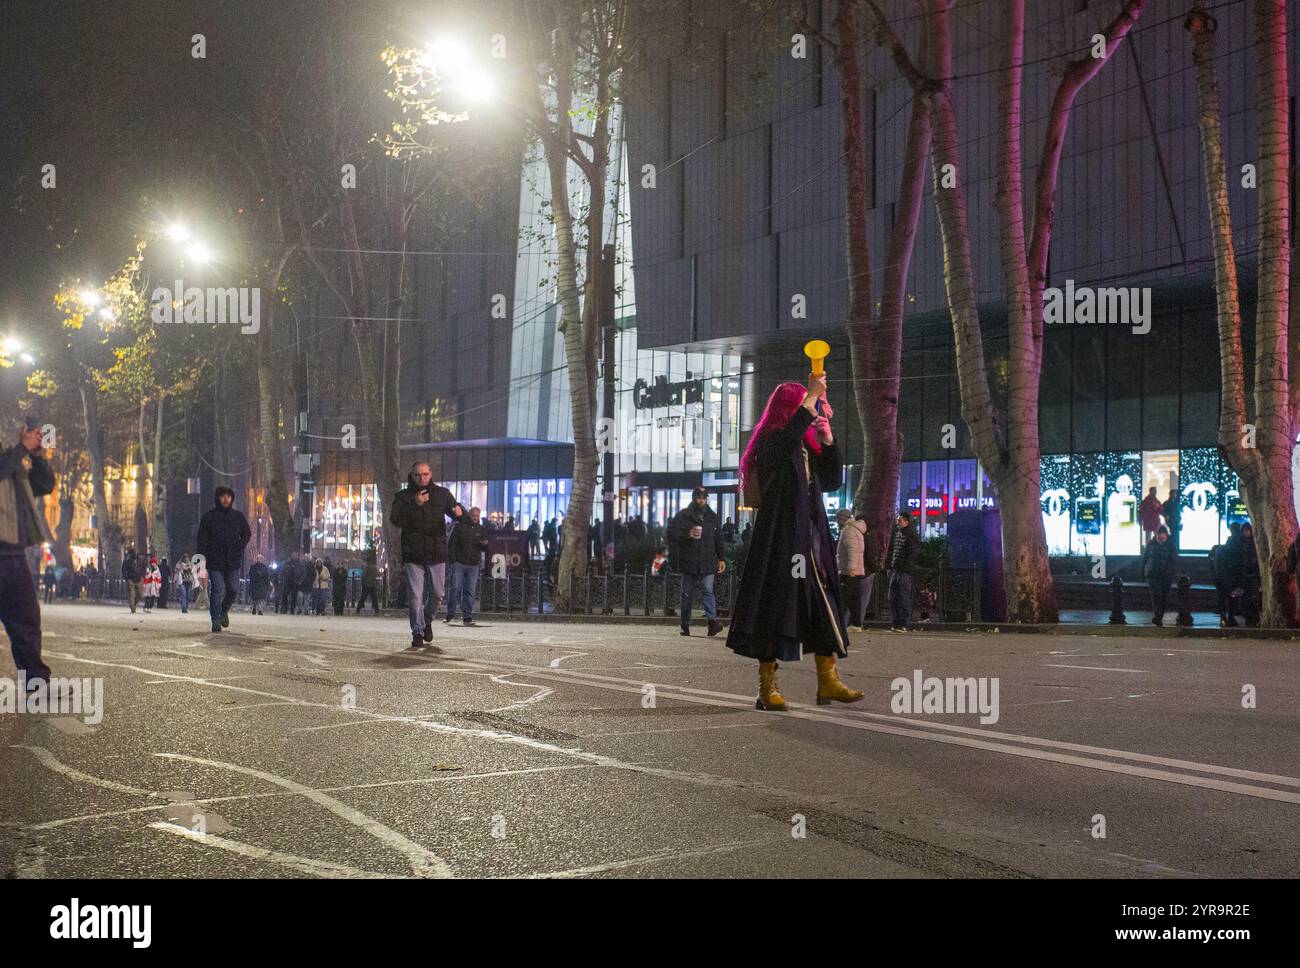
788,602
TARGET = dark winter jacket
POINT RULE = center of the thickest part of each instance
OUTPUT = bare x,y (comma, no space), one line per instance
1159,560
903,545
259,580
133,568
423,527
223,535
467,542
695,556
21,523
766,620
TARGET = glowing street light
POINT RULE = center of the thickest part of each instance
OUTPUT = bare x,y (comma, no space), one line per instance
107,314
450,59
10,346
198,252
178,233
91,297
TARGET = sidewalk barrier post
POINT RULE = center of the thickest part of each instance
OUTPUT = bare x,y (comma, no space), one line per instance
541,578
1184,601
645,589
627,603
1117,602
608,609
573,591
666,595
507,593
588,577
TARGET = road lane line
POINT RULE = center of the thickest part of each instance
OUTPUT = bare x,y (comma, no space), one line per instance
1055,665
304,865
424,863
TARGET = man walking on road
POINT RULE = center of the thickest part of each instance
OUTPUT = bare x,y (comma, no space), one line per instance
223,535
259,585
24,476
420,512
696,537
133,575
464,551
900,561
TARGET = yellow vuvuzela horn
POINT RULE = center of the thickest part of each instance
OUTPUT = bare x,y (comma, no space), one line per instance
817,350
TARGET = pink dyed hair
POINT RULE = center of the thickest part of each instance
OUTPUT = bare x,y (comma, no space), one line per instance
781,405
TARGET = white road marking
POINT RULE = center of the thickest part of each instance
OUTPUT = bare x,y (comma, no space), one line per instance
652,859
424,863
916,730
555,663
304,865
48,760
543,692
1053,665
1191,651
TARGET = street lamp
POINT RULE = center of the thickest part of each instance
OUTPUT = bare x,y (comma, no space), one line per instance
450,60
178,233
198,253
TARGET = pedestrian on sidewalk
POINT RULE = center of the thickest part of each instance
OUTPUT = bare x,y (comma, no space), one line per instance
320,586
369,583
49,580
185,583
1149,515
420,511
25,475
851,560
788,602
223,536
152,583
1172,511
695,535
900,560
339,587
1159,560
133,575
465,549
259,585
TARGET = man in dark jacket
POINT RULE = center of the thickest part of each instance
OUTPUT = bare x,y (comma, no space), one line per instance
339,582
695,535
369,583
899,561
223,535
133,575
420,512
464,551
259,584
24,476
50,580
1159,559
165,569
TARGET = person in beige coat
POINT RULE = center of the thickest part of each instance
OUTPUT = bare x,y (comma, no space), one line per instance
850,560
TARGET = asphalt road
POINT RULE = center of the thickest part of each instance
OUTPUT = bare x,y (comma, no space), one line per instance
294,745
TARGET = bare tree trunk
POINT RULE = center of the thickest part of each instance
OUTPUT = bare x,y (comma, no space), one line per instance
110,536
578,349
269,384
876,344
142,482
162,539
1265,468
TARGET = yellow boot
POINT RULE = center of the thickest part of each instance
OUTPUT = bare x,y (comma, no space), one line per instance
768,697
829,686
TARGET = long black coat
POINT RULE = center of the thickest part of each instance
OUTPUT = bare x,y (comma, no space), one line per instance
766,618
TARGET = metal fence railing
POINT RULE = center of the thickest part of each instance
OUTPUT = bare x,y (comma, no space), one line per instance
939,594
